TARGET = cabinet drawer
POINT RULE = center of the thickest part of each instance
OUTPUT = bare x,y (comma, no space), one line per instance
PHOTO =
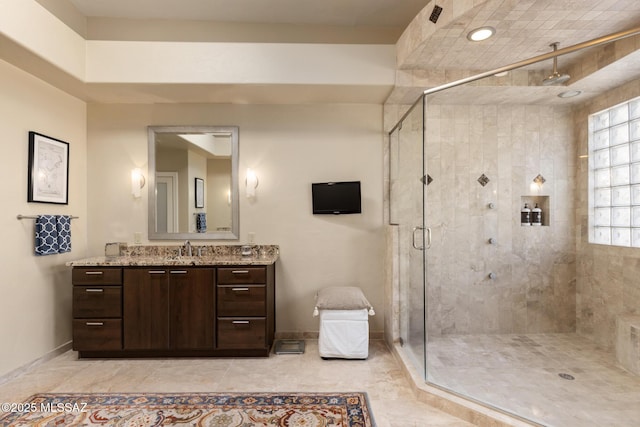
242,300
97,334
241,333
97,301
241,275
96,276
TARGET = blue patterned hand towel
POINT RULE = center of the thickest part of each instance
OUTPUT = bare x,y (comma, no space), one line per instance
63,226
46,235
201,222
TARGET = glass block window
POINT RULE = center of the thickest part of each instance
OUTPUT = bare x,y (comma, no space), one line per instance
614,175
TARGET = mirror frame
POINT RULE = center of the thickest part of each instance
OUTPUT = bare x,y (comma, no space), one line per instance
234,234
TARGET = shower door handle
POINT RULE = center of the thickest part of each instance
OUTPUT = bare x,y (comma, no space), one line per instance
413,238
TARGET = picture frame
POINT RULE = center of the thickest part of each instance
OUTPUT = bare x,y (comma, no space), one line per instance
199,193
48,171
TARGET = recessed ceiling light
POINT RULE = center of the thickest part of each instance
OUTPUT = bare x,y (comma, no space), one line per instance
481,33
569,94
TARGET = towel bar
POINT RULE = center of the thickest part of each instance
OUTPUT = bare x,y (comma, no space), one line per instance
20,216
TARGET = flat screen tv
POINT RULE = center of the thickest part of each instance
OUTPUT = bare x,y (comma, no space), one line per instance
336,198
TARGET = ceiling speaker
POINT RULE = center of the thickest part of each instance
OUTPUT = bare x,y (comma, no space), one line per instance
435,14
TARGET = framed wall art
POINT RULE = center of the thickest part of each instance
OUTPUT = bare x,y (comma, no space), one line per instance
48,173
199,193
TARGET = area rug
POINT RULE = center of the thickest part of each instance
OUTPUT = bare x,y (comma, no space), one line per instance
191,409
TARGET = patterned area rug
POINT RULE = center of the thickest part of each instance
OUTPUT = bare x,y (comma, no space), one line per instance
192,409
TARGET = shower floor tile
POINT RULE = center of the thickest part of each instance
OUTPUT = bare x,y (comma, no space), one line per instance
520,374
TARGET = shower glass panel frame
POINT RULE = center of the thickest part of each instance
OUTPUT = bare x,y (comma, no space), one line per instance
489,295
458,297
407,201
492,294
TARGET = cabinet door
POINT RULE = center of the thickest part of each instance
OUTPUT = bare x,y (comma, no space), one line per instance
146,309
192,308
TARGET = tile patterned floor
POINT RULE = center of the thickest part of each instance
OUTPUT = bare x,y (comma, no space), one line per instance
392,402
519,373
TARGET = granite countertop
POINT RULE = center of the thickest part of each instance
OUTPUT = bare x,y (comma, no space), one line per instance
170,256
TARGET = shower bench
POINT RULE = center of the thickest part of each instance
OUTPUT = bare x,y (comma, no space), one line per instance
628,342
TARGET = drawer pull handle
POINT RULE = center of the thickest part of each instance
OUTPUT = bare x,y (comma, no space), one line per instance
94,273
240,322
156,271
240,272
178,272
94,323
240,289
96,291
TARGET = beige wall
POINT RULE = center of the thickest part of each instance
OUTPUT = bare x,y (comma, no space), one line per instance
35,308
608,277
289,147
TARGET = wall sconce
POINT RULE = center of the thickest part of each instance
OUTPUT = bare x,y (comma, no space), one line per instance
539,180
137,182
251,183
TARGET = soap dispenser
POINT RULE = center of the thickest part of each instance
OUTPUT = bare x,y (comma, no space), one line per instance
525,216
536,216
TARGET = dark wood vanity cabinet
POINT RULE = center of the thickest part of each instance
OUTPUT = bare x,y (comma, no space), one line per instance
165,311
170,308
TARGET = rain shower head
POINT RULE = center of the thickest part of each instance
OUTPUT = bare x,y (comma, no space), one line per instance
555,78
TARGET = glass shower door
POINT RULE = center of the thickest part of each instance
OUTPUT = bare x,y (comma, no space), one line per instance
407,198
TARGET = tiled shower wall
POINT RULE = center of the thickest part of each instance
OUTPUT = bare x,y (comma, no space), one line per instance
534,285
608,277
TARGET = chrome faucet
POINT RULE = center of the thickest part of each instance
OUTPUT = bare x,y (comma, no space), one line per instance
187,248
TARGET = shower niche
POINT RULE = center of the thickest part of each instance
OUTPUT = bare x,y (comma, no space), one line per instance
542,202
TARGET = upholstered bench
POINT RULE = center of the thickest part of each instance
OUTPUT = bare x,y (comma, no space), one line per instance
344,322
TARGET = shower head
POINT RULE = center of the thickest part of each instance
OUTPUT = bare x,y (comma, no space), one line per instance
555,78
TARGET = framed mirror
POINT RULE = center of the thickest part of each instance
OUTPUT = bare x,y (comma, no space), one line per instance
193,183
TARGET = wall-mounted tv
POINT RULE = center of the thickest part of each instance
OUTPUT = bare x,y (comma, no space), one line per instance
336,197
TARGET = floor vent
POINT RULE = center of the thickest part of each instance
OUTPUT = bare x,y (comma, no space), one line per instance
289,347
567,376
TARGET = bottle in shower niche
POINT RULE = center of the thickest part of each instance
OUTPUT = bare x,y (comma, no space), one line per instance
536,216
525,216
